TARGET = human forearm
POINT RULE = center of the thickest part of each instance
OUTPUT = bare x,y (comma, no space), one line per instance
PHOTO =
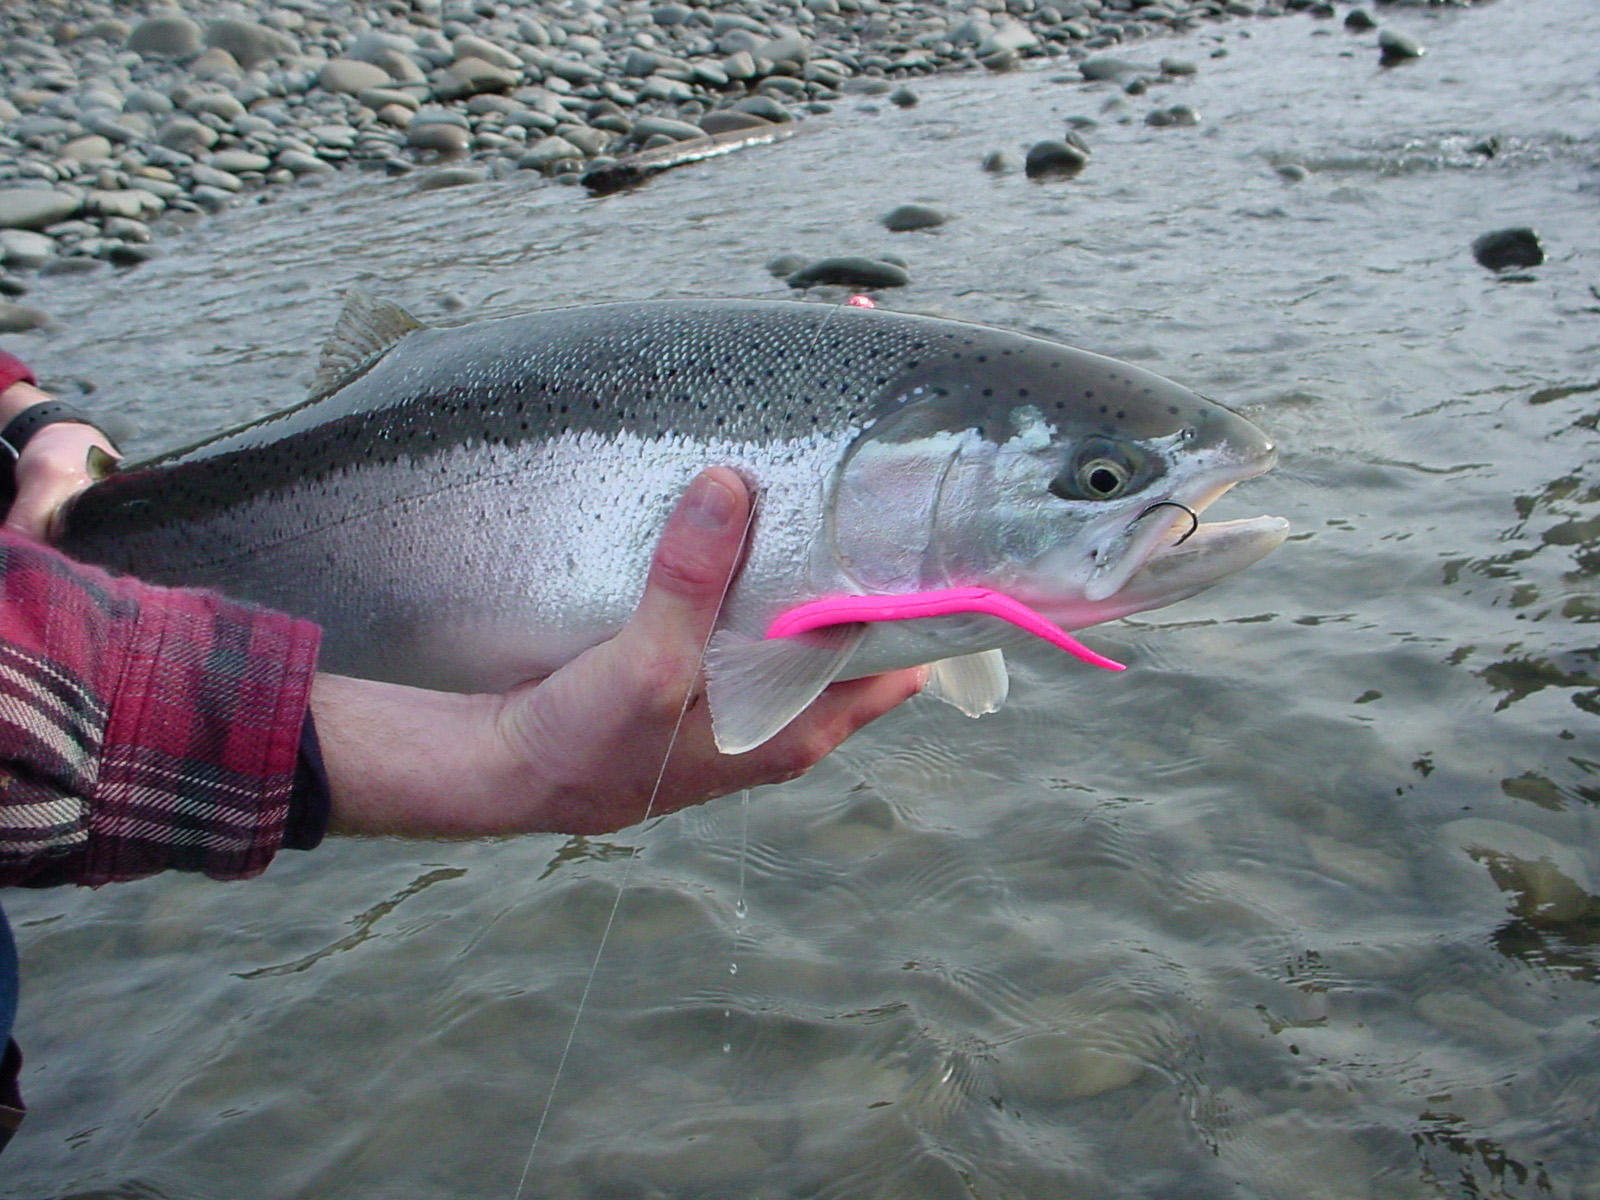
408,761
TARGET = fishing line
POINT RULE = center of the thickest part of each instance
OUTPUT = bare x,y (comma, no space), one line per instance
740,911
655,792
633,857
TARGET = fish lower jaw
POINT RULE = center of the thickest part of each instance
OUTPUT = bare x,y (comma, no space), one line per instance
1170,572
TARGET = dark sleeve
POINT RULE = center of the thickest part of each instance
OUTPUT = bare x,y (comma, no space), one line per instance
143,729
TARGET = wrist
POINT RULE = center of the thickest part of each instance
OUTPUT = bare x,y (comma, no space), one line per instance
19,396
412,762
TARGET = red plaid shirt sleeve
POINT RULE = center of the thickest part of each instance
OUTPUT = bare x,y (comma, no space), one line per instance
142,729
13,370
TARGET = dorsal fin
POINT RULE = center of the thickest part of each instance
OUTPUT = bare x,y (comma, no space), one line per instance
363,333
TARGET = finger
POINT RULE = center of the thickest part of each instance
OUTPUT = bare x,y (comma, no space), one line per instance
695,560
843,708
36,505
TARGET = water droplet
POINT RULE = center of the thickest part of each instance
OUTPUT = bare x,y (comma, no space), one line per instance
733,968
741,910
727,1047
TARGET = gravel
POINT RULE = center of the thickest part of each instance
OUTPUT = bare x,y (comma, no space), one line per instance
116,126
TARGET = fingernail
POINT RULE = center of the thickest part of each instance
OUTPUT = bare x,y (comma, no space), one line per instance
709,505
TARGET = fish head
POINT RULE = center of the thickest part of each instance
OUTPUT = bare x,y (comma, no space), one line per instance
1066,480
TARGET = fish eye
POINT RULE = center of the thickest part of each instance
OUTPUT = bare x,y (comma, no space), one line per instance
1104,470
1102,478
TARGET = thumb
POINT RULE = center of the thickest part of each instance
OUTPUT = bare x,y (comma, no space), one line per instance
696,558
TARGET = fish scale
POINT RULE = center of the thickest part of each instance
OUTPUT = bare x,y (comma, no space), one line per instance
470,507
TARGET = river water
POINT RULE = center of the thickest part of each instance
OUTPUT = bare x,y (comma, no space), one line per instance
1302,906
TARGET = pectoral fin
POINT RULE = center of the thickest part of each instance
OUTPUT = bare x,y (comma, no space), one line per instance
757,687
974,683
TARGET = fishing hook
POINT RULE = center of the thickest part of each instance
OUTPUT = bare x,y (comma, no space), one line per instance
1194,517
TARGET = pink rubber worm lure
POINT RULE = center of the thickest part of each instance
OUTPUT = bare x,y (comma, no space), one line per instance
844,610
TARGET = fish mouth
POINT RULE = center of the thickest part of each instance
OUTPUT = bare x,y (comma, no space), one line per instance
1168,554
1162,525
1175,569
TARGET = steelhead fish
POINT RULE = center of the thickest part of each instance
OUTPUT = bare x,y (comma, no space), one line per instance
471,507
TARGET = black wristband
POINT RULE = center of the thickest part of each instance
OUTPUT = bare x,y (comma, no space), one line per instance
21,428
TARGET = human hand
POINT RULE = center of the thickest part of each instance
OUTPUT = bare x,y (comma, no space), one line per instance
54,466
621,732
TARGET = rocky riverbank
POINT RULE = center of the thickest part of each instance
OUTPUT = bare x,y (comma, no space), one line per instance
118,121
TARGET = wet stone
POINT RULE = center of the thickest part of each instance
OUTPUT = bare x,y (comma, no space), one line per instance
1358,20
449,177
850,271
1503,249
211,177
679,131
351,76
438,137
766,108
186,135
904,97
22,318
1107,67
785,264
1054,160
727,120
239,162
165,37
547,153
469,76
248,43
34,208
1055,1068
25,250
1396,47
912,216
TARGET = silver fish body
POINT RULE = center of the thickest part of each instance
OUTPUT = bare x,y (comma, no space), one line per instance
471,507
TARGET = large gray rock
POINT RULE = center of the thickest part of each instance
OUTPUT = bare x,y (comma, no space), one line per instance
850,271
469,76
372,46
438,136
211,177
25,249
166,37
679,131
239,162
88,148
20,318
467,46
216,63
249,43
34,208
351,76
186,135
547,152
299,163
